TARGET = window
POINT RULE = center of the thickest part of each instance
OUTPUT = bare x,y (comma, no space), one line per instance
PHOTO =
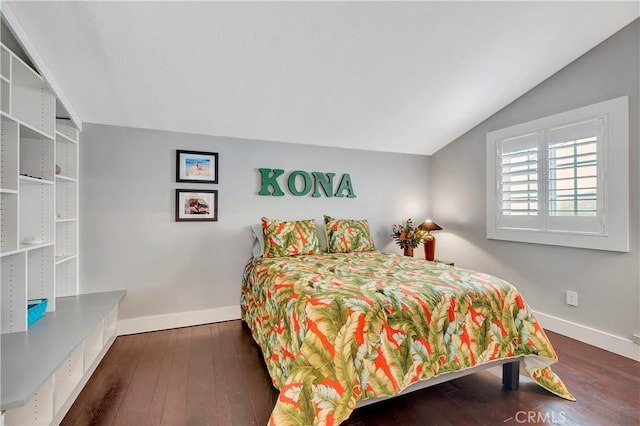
562,180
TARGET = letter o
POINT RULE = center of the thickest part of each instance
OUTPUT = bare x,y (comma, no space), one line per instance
291,183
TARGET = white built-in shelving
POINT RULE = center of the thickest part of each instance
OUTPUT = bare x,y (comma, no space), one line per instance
27,191
39,195
45,365
66,222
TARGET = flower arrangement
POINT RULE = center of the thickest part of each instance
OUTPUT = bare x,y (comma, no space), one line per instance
406,235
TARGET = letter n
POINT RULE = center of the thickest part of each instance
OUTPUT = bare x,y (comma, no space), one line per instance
324,180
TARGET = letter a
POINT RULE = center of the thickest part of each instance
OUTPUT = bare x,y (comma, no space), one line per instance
345,185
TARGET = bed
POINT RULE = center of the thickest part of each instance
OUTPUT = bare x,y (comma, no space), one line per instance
338,330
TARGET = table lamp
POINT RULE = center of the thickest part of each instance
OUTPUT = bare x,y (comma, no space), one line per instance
430,240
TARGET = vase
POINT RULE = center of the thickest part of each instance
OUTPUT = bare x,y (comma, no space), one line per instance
408,251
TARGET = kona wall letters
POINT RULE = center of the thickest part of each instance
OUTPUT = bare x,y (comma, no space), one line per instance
300,183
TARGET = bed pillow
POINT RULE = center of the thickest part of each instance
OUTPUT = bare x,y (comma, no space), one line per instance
293,238
322,238
257,249
345,235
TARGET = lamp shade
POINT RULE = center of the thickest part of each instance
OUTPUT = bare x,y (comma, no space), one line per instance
429,226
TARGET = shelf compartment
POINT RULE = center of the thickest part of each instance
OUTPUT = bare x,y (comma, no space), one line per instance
38,411
36,206
31,99
5,97
5,63
14,293
66,129
67,277
36,155
8,222
40,275
67,377
93,345
8,154
111,325
66,199
66,238
66,157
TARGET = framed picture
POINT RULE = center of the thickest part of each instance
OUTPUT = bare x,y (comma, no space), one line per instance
193,205
196,166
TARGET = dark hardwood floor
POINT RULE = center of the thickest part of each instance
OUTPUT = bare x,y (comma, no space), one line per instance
214,375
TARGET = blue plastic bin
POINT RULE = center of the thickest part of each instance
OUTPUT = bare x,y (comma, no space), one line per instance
35,310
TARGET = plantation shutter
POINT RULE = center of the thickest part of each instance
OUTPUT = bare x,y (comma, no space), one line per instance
563,179
518,182
575,176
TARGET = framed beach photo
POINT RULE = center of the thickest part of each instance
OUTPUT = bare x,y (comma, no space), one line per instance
196,205
196,166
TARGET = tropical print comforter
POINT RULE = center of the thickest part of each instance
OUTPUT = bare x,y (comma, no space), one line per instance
335,329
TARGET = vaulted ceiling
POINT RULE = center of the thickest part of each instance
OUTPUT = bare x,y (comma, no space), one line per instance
388,76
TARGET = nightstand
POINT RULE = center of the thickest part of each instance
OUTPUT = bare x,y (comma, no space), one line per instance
445,262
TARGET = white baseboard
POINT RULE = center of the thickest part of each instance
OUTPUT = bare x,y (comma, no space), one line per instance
176,320
600,339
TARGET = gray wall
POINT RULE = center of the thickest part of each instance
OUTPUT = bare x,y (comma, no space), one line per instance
129,239
608,283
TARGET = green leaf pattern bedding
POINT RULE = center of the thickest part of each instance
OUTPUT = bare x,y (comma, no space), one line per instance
335,329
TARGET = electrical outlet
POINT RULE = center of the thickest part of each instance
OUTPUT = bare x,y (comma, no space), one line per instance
572,298
636,339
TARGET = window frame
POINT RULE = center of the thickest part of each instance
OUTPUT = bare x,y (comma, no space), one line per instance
610,231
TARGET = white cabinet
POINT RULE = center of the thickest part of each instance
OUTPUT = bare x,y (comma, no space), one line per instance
45,368
67,377
37,411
